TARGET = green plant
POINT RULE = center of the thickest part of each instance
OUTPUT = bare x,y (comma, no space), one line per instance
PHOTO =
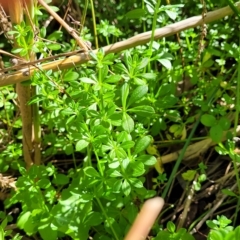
220,229
101,119
172,233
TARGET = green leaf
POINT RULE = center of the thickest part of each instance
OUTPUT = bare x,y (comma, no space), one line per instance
94,219
87,80
137,94
211,224
189,175
127,144
117,185
126,187
1,233
171,14
142,144
135,14
187,236
47,232
113,79
70,76
81,144
116,119
237,232
54,46
225,123
114,164
144,62
4,223
149,76
229,193
208,120
138,169
167,101
124,92
115,173
166,89
135,182
215,235
25,222
216,133
44,183
68,148
147,160
91,172
61,179
55,36
67,111
144,111
163,235
166,63
171,227
127,123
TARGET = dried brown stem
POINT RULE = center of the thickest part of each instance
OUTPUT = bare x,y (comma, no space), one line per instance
65,25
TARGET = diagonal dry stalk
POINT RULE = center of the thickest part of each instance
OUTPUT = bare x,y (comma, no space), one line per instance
139,39
196,149
65,25
31,146
24,92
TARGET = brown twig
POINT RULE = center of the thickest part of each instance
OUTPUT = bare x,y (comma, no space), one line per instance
64,24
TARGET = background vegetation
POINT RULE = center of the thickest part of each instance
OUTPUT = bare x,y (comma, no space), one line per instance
83,147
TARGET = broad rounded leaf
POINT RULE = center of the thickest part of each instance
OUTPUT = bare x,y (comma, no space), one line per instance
216,133
225,123
208,120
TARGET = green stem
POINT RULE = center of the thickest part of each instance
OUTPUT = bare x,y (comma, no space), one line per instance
182,153
106,216
179,160
94,24
154,24
101,91
99,163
